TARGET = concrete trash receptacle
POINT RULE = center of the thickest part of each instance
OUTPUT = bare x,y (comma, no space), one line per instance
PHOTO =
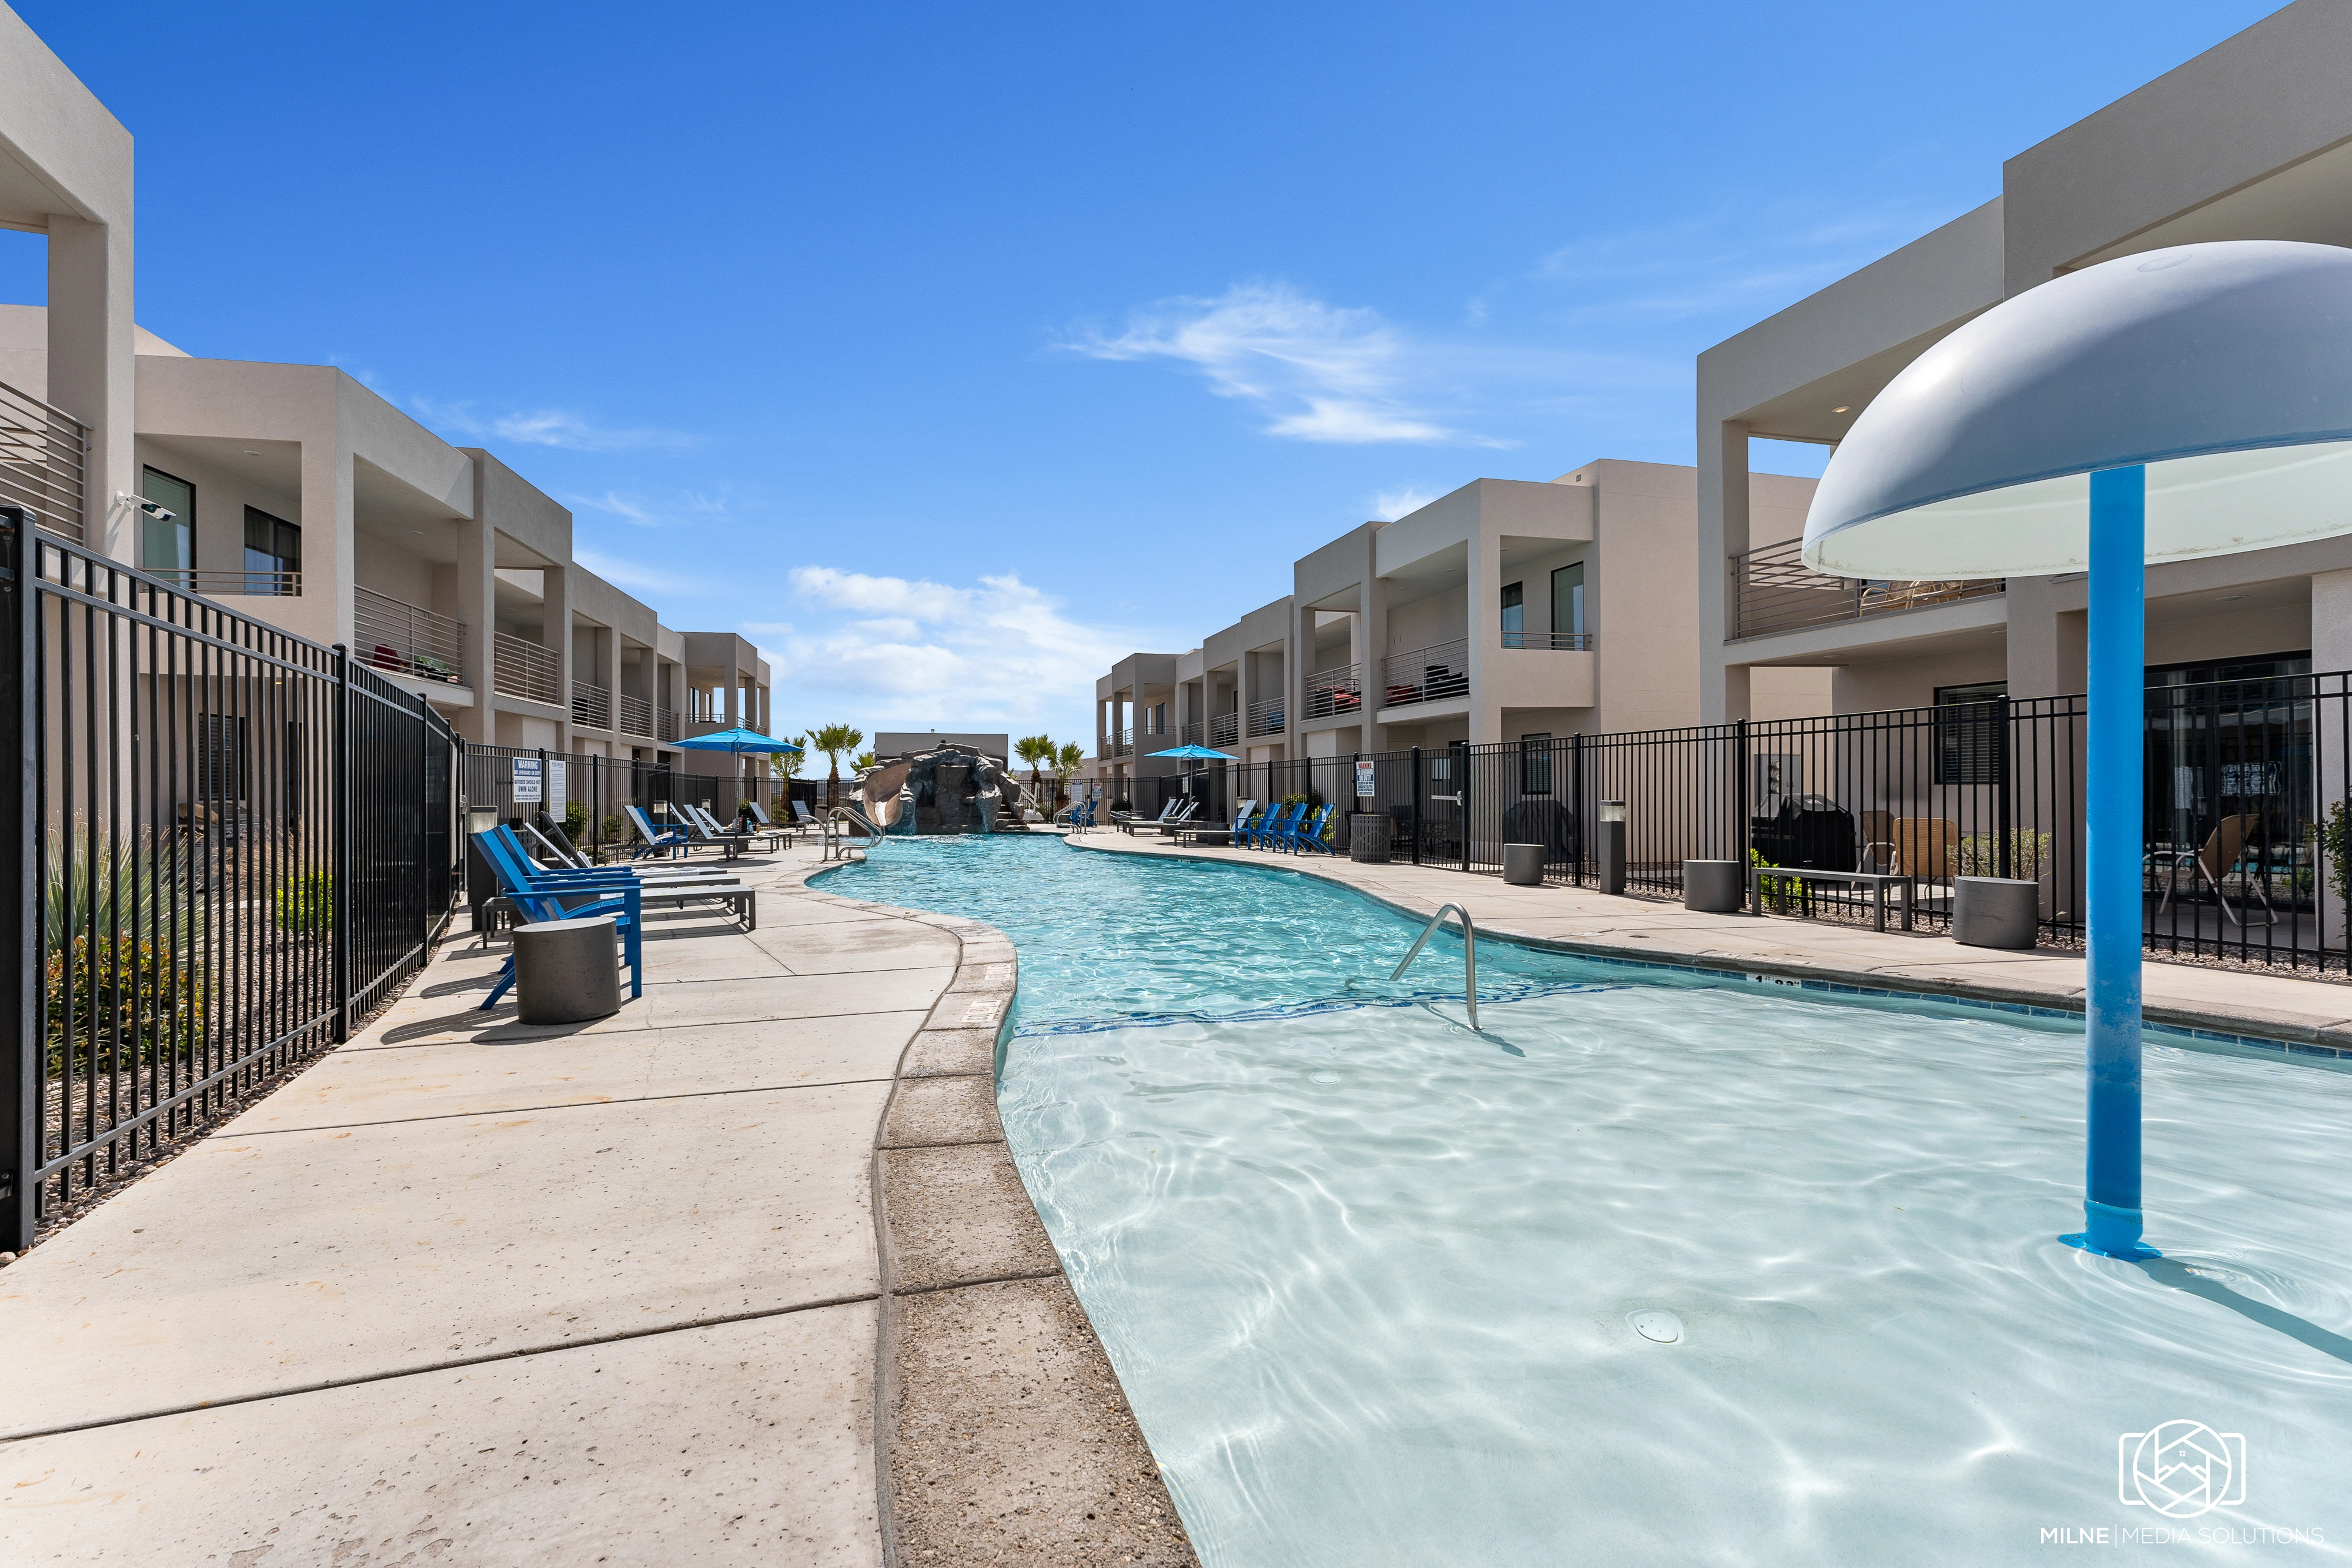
1368,836
1713,887
1523,864
1995,912
566,971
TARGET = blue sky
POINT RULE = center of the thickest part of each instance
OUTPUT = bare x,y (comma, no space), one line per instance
952,351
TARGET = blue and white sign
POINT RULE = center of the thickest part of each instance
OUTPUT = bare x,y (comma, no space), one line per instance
527,781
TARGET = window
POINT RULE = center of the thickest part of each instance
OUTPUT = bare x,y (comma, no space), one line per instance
1535,764
167,543
1568,603
273,554
1967,733
1515,615
220,757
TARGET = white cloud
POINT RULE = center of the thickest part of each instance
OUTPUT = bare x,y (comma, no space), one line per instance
650,512
1320,372
639,578
893,652
544,427
1390,505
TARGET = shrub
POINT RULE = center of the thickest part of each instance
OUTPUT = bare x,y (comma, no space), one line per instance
1777,891
2028,853
615,830
2335,844
575,821
307,905
118,993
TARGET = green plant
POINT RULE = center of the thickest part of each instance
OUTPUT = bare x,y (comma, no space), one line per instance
864,760
2029,854
614,829
2335,844
1066,762
575,821
307,904
115,929
1037,751
1778,892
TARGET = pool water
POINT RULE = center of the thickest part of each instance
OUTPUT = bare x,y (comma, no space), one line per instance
1370,1280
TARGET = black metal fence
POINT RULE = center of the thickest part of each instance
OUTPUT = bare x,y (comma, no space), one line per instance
2246,843
230,841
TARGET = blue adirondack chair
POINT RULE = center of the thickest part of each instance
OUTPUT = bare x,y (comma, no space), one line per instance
540,895
654,840
1247,823
1302,832
1278,820
1312,839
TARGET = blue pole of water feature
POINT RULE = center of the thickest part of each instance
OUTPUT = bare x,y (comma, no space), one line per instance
2113,763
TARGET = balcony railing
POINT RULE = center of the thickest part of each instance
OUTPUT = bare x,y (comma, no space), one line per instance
1266,716
1121,743
1431,674
1195,734
668,719
1336,691
215,581
44,454
1225,728
403,639
592,704
525,670
636,714
1559,642
1775,590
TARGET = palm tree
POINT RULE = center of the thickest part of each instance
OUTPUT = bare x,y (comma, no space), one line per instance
864,760
1072,757
1038,751
832,739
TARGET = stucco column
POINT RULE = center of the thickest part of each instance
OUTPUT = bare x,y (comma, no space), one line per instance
1484,568
2331,651
1372,604
1297,652
1723,533
555,631
478,607
93,367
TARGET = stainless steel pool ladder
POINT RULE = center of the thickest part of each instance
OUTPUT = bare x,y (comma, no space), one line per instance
1469,955
837,836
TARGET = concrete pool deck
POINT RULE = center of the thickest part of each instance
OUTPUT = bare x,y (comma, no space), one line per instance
2317,1013
742,1273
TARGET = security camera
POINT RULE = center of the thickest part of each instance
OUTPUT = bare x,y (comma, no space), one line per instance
160,513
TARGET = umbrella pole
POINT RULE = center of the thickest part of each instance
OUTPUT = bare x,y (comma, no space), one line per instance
2114,787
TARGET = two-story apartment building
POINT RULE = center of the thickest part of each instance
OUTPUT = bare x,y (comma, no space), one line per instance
1506,610
296,494
2251,139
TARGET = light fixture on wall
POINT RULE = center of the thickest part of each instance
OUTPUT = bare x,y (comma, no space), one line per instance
1848,407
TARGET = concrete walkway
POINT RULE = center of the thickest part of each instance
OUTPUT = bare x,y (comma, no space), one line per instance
2231,1001
470,1291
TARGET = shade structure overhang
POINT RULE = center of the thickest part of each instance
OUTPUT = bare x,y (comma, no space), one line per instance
2224,368
1195,753
735,740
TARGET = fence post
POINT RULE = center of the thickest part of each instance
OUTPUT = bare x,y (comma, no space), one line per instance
20,930
1416,805
424,821
1576,802
1461,749
1740,827
340,898
2005,797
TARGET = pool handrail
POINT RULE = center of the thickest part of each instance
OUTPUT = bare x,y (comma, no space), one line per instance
836,844
1469,956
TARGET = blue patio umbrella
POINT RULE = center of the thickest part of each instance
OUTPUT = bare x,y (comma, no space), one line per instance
737,740
1196,754
2182,402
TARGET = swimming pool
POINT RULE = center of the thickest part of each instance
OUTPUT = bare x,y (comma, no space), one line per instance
1376,1285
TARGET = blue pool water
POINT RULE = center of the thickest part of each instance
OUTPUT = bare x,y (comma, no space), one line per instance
1370,1280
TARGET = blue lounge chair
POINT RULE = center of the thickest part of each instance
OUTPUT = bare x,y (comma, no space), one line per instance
615,895
1277,821
1312,839
674,887
1300,833
653,840
1247,820
666,874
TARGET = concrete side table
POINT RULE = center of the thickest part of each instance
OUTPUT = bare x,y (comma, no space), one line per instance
1523,864
1995,912
566,971
1713,887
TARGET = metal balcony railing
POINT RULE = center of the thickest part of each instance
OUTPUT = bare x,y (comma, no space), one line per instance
1266,716
403,639
1225,728
636,714
1774,591
1559,642
1122,742
525,670
1195,734
43,459
215,581
1430,674
1336,691
668,721
592,704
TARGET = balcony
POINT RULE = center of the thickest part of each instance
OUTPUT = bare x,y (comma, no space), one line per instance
213,582
1265,716
525,670
1558,642
592,704
1224,729
43,452
670,728
1775,590
1440,672
1335,692
400,637
636,714
1121,743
